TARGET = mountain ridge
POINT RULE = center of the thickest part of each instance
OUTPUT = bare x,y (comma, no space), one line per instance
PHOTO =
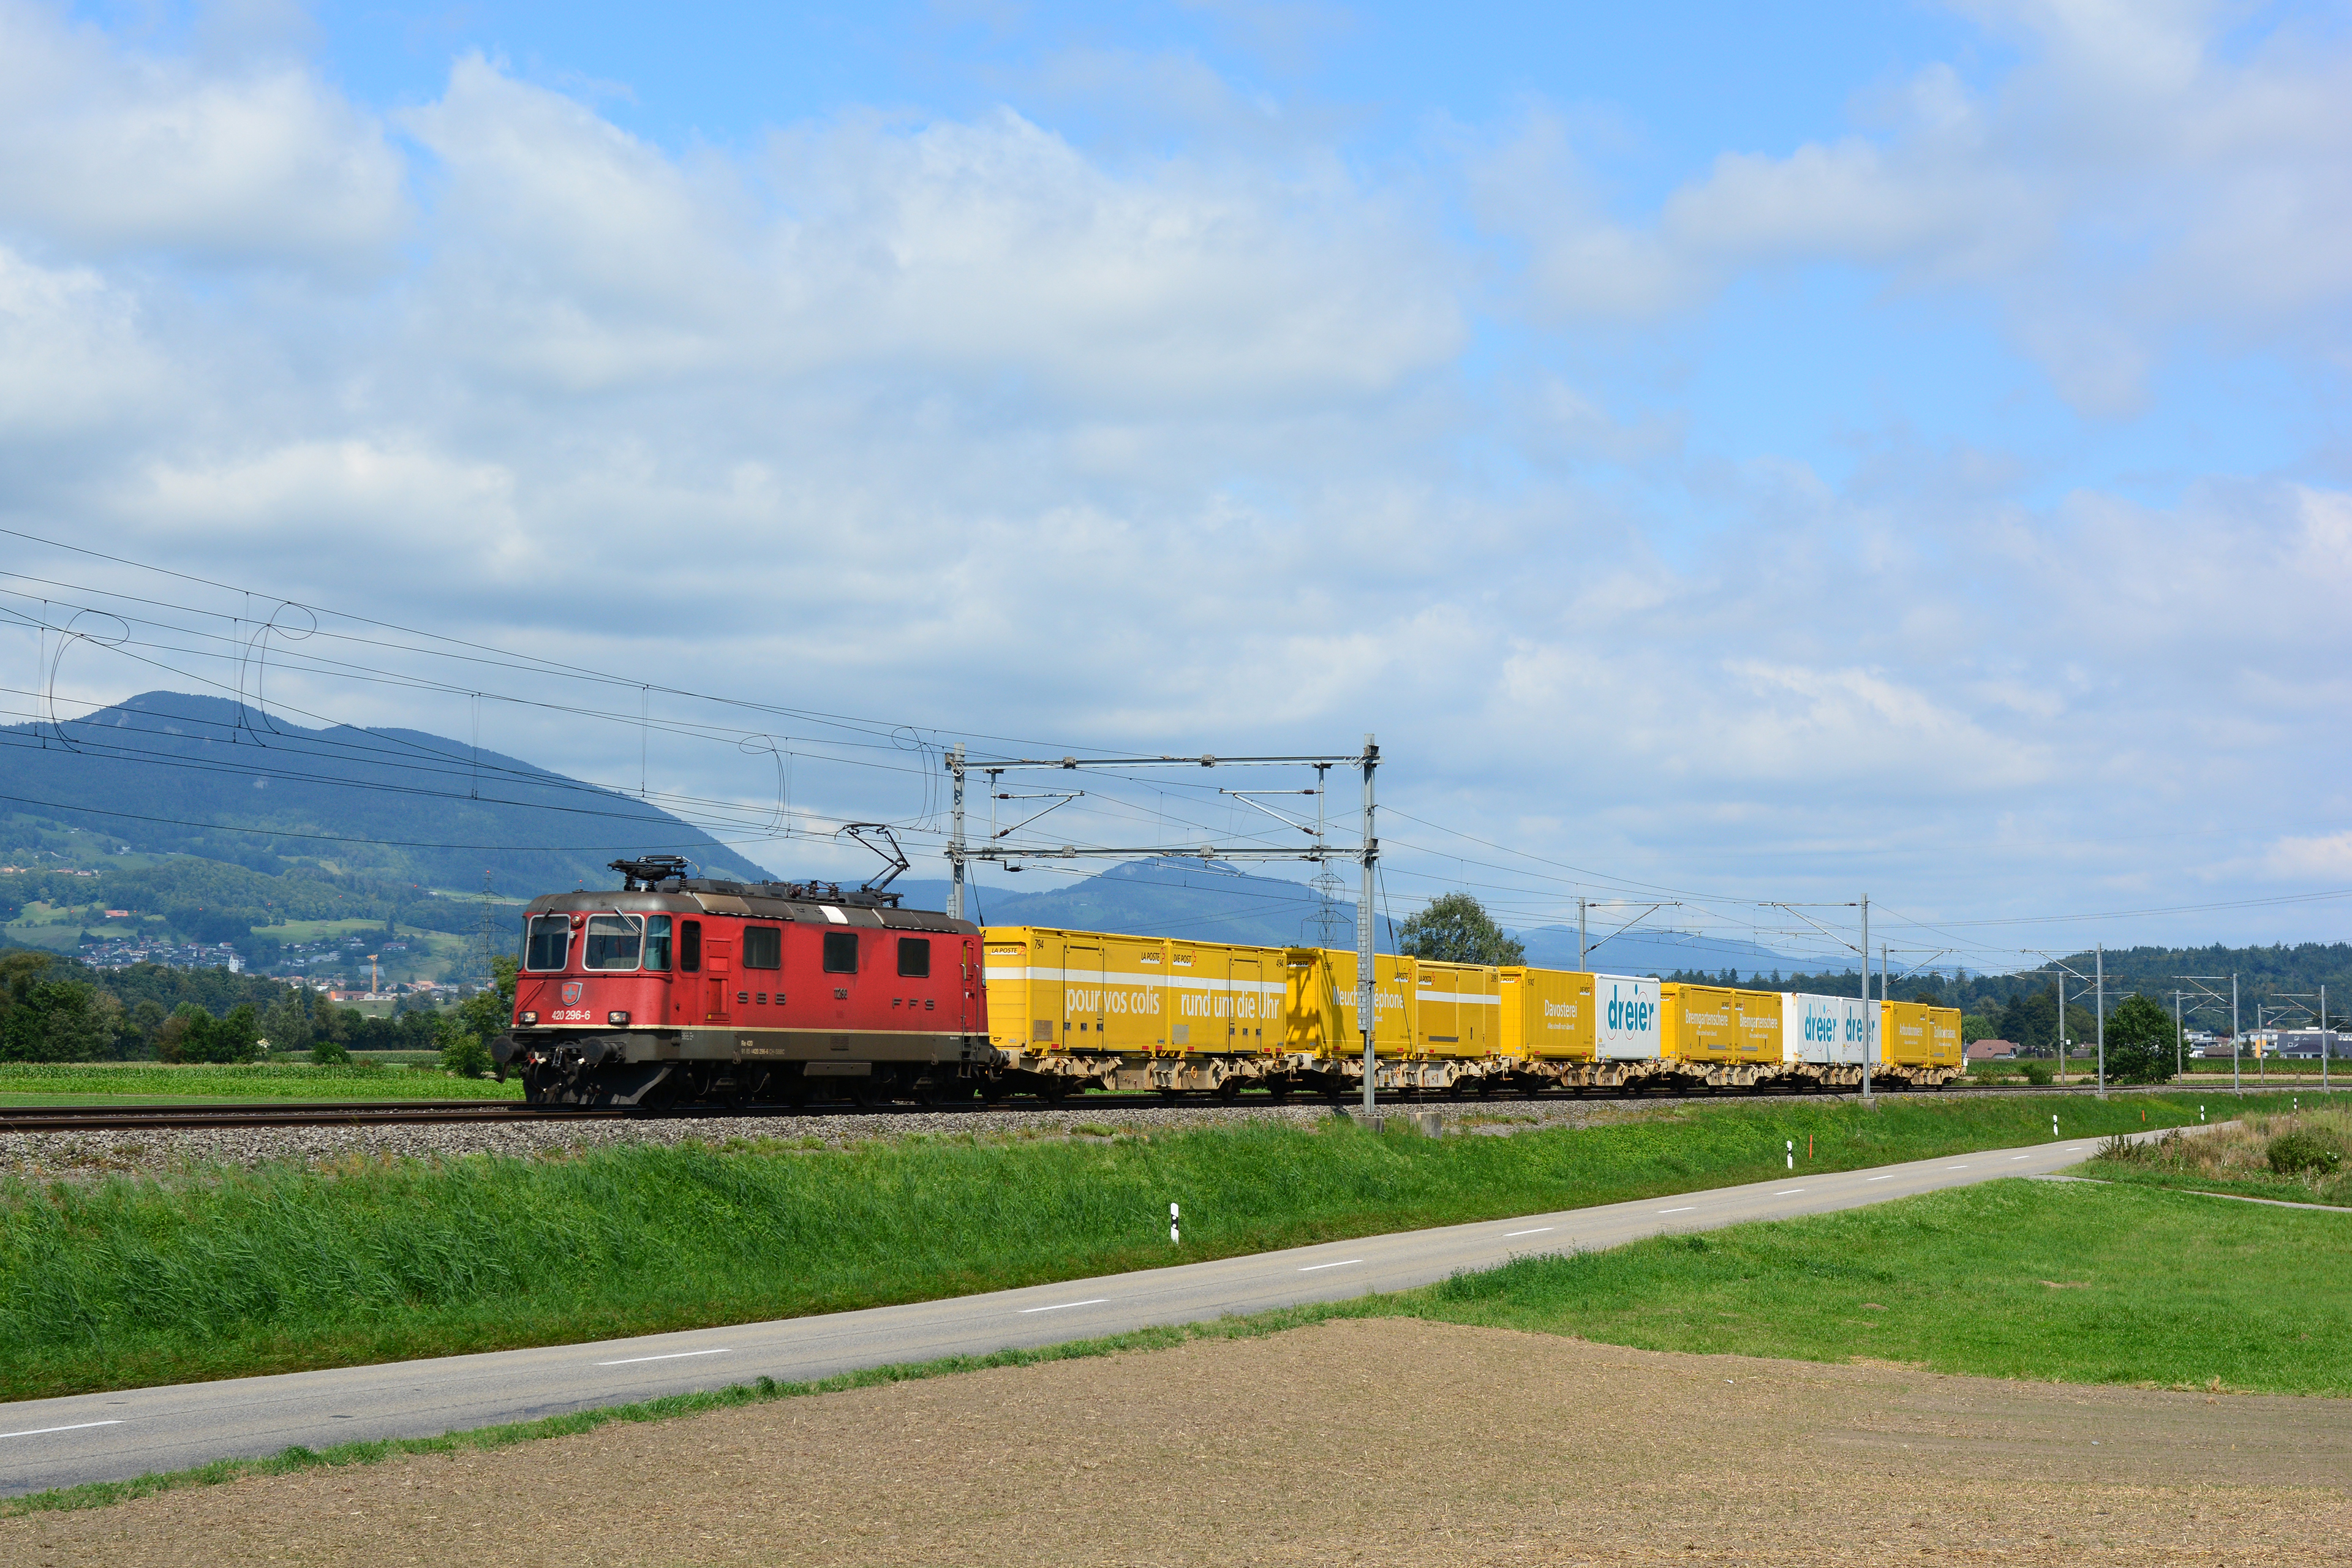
172,773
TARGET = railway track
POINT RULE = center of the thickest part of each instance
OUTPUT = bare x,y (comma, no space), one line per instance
417,1112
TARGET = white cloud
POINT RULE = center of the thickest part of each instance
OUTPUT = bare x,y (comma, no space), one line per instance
2135,178
2327,858
103,151
72,357
576,254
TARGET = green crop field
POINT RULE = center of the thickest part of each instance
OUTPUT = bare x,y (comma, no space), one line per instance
124,1281
2066,1282
99,1083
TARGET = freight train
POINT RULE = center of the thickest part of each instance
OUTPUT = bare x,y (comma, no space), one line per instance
680,990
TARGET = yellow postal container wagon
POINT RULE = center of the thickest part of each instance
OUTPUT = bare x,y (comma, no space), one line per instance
1579,1029
1435,1025
1729,1037
1909,1048
1074,1007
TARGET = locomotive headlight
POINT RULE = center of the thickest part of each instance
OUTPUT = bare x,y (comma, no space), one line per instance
616,1018
531,1017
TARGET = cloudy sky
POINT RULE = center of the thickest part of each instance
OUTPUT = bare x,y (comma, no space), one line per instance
1748,455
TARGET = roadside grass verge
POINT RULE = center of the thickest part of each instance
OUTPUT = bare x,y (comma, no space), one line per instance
2244,1160
2054,1281
58,1083
129,1281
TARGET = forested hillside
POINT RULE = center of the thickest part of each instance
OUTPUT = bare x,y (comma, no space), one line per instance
205,776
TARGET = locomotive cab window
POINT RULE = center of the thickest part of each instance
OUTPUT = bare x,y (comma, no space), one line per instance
689,946
841,953
657,942
915,957
549,943
614,941
763,947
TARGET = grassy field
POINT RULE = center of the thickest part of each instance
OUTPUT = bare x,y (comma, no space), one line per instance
126,1281
2238,1161
2065,1282
88,1083
2035,1279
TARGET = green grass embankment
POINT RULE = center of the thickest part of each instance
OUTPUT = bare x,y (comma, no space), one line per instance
90,1083
2063,1281
125,1281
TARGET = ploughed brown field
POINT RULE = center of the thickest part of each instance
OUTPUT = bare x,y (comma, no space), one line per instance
1376,1441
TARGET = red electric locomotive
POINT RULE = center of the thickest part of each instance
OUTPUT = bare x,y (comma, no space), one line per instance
681,990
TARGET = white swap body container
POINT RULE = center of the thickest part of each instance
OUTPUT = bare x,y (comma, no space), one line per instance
1626,1022
1833,1030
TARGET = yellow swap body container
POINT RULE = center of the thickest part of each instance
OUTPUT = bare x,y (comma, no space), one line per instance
1546,1013
1052,990
1320,1016
1015,1023
1223,999
1904,1038
1944,1046
1455,1008
1716,1024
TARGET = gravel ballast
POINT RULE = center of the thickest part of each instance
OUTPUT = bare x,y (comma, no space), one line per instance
48,1155
166,1150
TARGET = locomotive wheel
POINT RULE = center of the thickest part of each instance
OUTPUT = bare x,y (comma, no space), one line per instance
1279,1088
1229,1091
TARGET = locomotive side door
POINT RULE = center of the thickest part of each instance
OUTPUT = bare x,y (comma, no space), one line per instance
969,969
718,966
1082,998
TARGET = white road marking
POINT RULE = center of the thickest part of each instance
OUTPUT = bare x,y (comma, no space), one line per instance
1538,1231
1060,1305
1886,1178
2020,1156
77,1426
674,1356
1956,1167
1684,1209
1788,1192
1341,1264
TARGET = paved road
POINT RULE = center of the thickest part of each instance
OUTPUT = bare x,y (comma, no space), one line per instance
112,1437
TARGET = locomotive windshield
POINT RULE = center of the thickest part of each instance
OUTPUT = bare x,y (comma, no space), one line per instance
550,942
612,941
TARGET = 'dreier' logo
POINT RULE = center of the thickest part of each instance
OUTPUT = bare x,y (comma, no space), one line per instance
570,991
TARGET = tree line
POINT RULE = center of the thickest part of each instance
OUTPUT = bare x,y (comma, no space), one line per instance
49,1014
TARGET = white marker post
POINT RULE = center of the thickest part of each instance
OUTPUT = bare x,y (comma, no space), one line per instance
1792,1154
1173,1239
2053,1124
